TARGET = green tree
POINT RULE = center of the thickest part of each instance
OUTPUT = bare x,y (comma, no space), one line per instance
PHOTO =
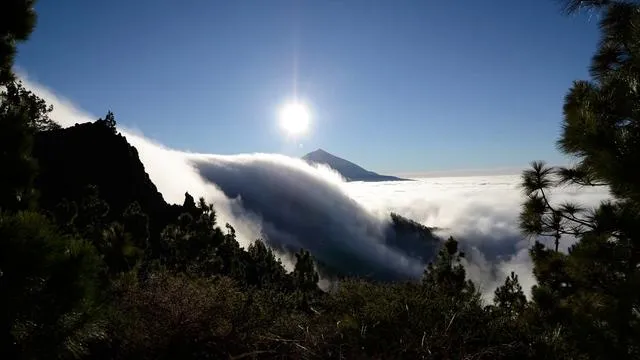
109,121
21,111
447,276
509,298
117,248
305,278
22,114
92,215
304,274
17,20
264,269
49,286
136,223
591,294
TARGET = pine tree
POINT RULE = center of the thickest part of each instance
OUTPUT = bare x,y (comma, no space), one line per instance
17,20
304,274
446,276
591,294
510,298
109,121
21,111
264,268
49,282
22,114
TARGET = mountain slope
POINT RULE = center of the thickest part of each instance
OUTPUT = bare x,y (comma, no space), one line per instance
347,169
93,154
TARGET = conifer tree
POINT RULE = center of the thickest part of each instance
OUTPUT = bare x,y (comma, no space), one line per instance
591,294
446,275
17,20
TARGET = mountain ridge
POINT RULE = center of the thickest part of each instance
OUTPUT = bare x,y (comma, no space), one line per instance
349,170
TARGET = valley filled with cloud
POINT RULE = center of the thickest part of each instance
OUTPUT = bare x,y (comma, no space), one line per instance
292,204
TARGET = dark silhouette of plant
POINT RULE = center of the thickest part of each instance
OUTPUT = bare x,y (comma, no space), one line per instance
590,295
264,269
509,298
48,283
109,122
17,20
22,114
447,276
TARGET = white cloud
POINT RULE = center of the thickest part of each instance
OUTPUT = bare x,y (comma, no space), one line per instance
479,211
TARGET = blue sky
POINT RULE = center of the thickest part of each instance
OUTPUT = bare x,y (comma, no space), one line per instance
396,86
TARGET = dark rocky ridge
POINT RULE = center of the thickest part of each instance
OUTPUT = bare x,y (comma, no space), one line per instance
70,159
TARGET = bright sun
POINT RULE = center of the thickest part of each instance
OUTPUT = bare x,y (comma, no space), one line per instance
295,118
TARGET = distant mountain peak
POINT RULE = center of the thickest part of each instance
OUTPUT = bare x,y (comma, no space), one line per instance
318,151
348,170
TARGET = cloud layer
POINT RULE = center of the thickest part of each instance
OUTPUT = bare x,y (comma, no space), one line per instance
480,211
299,206
294,205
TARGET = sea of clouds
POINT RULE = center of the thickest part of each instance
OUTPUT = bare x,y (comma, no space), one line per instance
279,197
479,211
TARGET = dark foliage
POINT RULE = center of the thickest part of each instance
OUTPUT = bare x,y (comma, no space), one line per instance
100,266
48,283
22,114
17,20
189,290
589,297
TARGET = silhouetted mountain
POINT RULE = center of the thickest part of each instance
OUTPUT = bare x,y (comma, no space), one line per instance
91,154
94,154
349,170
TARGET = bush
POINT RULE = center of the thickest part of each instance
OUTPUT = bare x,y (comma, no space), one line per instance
49,286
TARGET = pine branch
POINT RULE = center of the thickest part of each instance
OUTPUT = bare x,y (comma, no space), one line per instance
568,217
579,175
573,6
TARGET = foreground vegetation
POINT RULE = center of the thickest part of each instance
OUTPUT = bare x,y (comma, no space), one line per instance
86,272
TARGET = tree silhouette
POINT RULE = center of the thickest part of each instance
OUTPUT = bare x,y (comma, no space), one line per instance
304,274
17,20
509,298
593,291
22,114
48,282
264,268
446,275
108,122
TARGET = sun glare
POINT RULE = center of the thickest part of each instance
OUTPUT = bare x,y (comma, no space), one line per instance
295,118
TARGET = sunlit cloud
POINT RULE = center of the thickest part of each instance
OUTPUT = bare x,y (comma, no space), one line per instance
479,211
